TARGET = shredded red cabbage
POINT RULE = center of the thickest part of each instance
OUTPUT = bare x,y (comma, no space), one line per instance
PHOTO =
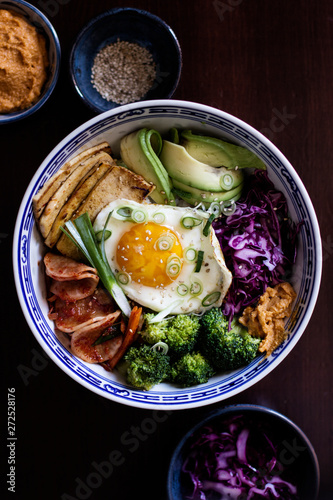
258,242
236,460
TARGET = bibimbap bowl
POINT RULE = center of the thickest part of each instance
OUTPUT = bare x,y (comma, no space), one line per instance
29,249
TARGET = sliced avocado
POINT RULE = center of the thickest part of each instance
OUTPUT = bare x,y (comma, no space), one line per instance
216,152
139,151
194,196
183,168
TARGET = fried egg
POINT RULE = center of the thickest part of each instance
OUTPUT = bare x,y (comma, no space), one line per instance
163,257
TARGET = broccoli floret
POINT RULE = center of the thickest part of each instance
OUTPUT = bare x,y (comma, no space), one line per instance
146,367
191,369
250,344
225,349
179,332
182,334
153,332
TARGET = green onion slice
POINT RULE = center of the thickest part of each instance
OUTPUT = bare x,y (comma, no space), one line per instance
214,208
196,287
206,228
99,235
158,217
188,221
182,289
165,242
124,213
229,209
190,254
123,278
227,181
199,261
139,216
173,267
161,347
104,237
104,338
211,299
201,206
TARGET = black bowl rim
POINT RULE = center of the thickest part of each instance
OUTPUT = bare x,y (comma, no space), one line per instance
19,115
112,12
241,407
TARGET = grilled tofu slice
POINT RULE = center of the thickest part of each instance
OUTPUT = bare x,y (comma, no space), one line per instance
63,193
53,184
119,182
74,201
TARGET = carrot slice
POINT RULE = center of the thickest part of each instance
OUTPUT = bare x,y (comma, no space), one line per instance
129,337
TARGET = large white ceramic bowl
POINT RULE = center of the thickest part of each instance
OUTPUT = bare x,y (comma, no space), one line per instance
28,250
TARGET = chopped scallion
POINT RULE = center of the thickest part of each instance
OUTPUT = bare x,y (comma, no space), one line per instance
196,287
190,254
188,222
125,212
182,289
123,278
199,261
99,235
139,216
161,347
211,299
104,338
208,224
158,217
165,242
229,209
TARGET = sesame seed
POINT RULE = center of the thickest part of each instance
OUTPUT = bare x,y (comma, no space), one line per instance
123,72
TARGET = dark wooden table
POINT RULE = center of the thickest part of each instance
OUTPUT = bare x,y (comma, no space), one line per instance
270,64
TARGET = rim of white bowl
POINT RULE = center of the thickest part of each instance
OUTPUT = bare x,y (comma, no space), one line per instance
200,395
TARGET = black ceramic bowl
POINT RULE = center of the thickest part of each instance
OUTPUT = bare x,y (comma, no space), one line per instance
130,25
43,26
295,454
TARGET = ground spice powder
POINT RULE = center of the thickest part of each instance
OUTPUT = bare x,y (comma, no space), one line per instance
123,72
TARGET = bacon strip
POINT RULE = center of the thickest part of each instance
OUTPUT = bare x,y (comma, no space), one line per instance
83,338
62,268
72,291
69,316
71,280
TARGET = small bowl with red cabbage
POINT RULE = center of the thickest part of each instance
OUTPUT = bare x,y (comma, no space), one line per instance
244,452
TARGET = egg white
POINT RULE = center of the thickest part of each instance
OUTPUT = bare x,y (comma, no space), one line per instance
190,291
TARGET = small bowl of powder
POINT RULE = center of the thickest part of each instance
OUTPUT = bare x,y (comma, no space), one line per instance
122,56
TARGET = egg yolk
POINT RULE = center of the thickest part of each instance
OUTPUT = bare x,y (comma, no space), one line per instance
150,254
